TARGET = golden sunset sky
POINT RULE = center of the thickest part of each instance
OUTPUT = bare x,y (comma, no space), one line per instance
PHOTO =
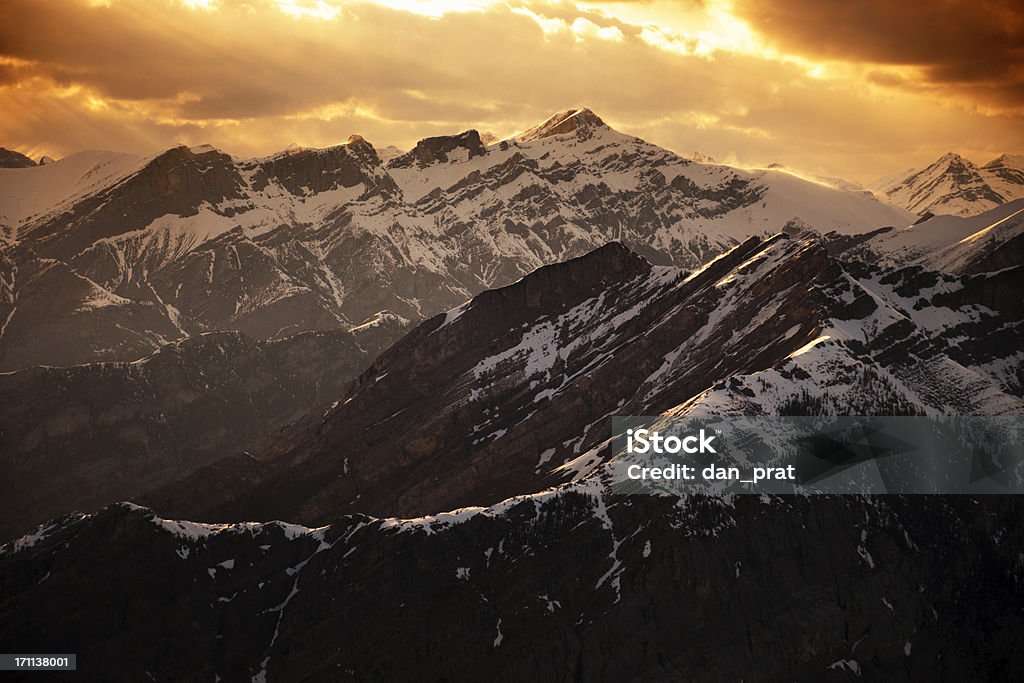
849,89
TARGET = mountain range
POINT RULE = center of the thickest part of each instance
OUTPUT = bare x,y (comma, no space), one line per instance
497,411
411,361
126,254
562,585
782,325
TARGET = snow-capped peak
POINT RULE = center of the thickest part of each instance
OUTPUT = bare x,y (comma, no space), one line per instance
563,122
955,185
950,158
1014,161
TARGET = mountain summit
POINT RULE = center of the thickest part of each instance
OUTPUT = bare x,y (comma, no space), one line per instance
568,121
954,185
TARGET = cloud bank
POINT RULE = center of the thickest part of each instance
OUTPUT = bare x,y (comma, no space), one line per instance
843,91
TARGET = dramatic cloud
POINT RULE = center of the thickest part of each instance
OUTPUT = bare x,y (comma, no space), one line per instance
252,76
974,46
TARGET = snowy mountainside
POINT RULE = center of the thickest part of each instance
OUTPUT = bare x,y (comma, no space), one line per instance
560,173
915,354
194,240
955,186
27,194
987,242
529,375
887,342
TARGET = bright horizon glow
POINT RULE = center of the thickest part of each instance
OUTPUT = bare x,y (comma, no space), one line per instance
436,8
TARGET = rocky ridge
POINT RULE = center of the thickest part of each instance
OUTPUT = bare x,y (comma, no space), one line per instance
513,391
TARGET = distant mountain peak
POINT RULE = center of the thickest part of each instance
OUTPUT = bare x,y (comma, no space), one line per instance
568,121
390,152
360,145
1015,161
11,159
956,186
701,158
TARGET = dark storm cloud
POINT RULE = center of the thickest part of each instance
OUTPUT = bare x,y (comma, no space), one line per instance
974,44
234,63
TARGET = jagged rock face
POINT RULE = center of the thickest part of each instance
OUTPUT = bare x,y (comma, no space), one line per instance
434,150
921,342
513,391
82,437
570,586
953,185
316,239
311,171
11,159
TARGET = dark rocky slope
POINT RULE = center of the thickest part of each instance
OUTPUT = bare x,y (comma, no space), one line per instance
12,159
573,586
79,438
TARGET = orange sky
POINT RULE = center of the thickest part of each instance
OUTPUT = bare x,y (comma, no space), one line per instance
854,90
